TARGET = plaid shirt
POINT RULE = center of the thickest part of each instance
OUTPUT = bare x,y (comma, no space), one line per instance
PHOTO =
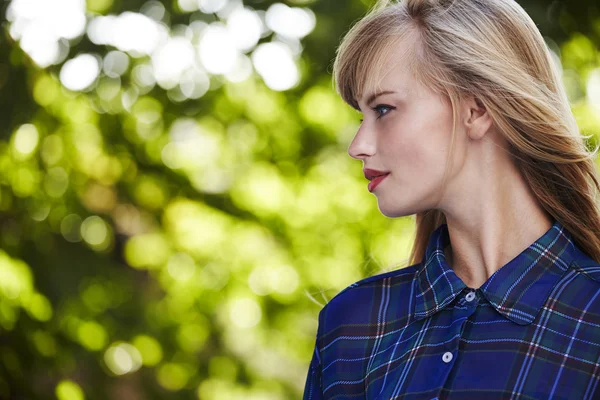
531,331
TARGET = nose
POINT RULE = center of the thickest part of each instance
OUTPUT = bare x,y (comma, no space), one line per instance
363,144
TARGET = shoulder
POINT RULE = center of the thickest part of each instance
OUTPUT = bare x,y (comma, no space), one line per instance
587,267
579,288
376,281
355,303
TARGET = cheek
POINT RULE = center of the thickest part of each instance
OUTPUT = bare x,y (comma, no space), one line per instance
418,151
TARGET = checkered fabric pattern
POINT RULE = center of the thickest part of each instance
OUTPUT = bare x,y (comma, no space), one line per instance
531,331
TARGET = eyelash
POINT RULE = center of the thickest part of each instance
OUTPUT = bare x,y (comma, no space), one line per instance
377,109
379,106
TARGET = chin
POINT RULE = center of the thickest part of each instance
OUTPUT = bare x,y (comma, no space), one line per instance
394,212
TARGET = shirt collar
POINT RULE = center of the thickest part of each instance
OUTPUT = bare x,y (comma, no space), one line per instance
517,290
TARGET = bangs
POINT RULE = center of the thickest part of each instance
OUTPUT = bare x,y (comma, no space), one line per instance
363,57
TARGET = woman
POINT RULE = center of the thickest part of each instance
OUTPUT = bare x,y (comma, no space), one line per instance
467,126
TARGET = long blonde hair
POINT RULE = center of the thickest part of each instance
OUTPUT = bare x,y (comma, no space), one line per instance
490,49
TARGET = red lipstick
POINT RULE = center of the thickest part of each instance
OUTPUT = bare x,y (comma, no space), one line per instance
375,176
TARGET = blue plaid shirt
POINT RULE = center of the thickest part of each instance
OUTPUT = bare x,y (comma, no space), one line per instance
531,331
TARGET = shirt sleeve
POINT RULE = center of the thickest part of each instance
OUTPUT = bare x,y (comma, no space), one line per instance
313,389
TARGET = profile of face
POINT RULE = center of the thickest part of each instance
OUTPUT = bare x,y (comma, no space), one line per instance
406,131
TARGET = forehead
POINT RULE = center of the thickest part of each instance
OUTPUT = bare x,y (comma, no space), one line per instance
391,69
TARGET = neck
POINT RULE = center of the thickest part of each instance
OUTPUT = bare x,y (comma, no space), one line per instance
492,218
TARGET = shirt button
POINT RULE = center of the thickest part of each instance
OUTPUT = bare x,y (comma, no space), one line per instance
447,357
470,296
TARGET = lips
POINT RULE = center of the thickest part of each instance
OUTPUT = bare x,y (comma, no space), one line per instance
371,174
376,181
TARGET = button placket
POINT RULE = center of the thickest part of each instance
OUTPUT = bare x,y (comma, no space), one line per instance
447,357
470,296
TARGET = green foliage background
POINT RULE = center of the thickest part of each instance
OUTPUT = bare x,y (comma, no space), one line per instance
207,274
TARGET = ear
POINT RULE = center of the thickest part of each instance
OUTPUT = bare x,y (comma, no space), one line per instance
477,119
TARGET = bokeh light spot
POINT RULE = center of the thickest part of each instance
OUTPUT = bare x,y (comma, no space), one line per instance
192,337
80,72
96,297
45,90
68,390
217,49
147,251
593,88
211,6
70,228
42,27
188,5
245,312
56,182
25,141
171,60
275,64
115,63
132,32
122,358
149,348
24,181
92,335
290,21
245,28
94,231
173,376
181,267
39,307
52,149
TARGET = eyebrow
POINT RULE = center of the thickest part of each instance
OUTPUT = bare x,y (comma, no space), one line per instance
377,94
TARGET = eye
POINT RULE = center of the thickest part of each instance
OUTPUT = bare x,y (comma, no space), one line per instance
382,109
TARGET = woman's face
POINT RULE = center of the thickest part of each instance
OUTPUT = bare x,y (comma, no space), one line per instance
406,131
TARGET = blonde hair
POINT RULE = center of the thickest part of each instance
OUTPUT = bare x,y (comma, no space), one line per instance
490,49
